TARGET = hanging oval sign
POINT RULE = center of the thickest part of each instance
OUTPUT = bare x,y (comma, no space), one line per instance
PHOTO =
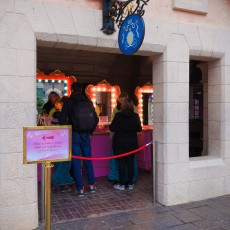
131,34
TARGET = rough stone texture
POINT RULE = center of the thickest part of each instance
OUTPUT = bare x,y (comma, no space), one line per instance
19,217
15,115
62,21
15,146
18,192
21,91
18,186
35,13
86,29
170,90
16,33
56,24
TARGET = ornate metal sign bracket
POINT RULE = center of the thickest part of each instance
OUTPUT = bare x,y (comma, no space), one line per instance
124,8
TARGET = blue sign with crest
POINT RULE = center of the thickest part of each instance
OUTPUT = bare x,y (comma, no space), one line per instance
131,34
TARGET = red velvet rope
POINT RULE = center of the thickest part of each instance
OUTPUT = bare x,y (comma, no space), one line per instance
111,157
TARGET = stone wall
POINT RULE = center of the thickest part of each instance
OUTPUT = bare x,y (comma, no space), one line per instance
26,24
18,187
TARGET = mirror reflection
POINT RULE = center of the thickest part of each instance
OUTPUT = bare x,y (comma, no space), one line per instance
145,103
147,109
103,96
103,100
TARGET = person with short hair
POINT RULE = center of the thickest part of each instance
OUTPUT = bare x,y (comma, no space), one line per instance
80,139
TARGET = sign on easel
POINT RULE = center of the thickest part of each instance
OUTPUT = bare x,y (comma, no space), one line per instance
47,144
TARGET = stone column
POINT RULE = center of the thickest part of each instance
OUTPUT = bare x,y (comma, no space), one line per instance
219,115
219,108
18,182
171,121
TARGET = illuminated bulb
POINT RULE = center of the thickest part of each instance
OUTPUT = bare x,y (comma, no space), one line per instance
66,94
113,100
46,80
65,87
93,89
113,90
39,80
104,89
113,94
53,81
59,81
99,89
65,81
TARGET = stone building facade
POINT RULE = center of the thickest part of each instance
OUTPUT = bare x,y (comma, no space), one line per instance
176,32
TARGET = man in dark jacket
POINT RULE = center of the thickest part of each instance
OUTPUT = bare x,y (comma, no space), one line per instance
80,139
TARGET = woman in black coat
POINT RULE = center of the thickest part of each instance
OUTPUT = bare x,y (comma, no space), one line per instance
125,125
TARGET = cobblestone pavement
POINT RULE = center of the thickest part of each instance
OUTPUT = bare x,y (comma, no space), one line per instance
133,209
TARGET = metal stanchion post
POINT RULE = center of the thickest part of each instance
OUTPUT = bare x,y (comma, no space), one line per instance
154,171
42,193
48,167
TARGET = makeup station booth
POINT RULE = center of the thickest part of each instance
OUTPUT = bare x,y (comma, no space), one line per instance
104,96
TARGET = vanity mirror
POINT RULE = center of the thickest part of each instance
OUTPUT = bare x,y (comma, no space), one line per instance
104,95
145,105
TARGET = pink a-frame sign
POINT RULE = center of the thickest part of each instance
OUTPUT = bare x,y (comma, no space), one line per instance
47,144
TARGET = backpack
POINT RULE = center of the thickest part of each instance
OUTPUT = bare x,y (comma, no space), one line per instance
83,116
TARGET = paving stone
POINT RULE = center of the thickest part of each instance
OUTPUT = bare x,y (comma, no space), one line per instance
144,226
169,221
211,215
204,224
184,227
186,216
109,209
224,228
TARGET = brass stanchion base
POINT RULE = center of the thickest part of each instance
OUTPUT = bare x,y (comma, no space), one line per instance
48,167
